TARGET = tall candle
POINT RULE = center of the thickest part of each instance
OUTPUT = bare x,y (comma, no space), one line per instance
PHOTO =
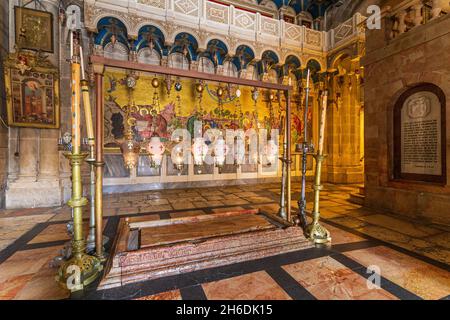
82,62
76,140
71,45
323,116
86,102
307,78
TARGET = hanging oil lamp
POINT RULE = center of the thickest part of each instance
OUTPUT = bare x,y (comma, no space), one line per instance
255,96
271,150
199,147
220,151
177,159
239,153
178,87
199,151
168,83
156,149
130,152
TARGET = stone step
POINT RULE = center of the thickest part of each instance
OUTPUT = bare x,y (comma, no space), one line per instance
361,191
357,198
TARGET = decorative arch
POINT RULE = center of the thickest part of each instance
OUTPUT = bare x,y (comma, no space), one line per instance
269,64
216,50
110,28
225,42
186,44
264,50
292,62
171,39
150,36
315,67
155,24
244,55
345,53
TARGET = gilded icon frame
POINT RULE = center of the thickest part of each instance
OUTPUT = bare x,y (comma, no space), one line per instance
32,91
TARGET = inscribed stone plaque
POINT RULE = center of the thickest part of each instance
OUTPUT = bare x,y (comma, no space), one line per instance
421,134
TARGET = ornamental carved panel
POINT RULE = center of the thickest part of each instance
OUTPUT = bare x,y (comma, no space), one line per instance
293,32
343,31
313,37
270,26
154,3
245,20
188,7
216,12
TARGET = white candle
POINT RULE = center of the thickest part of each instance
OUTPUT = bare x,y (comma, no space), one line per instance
71,44
307,78
82,63
323,116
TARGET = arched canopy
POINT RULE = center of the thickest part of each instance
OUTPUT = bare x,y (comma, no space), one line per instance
244,55
292,65
150,37
269,62
216,51
314,67
186,44
111,29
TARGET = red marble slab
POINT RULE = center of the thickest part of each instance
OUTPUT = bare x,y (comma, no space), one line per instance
209,241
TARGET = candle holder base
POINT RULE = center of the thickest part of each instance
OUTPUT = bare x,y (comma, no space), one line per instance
318,233
79,271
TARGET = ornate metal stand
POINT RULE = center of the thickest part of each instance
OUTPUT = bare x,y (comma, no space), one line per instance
90,241
305,148
282,212
315,231
81,269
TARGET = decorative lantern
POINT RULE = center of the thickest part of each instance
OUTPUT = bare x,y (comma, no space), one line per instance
220,151
199,151
271,150
177,159
156,150
130,151
239,153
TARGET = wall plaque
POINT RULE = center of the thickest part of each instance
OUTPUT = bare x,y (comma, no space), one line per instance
419,135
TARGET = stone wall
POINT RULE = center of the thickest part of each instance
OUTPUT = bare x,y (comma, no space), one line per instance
38,175
391,67
4,48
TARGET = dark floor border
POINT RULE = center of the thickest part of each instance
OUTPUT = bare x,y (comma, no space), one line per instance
193,293
291,286
22,241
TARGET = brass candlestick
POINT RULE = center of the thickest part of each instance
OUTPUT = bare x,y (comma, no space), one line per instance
80,269
315,231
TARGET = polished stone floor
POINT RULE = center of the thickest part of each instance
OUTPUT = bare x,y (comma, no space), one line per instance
412,257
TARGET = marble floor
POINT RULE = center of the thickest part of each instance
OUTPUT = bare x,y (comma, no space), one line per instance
412,258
